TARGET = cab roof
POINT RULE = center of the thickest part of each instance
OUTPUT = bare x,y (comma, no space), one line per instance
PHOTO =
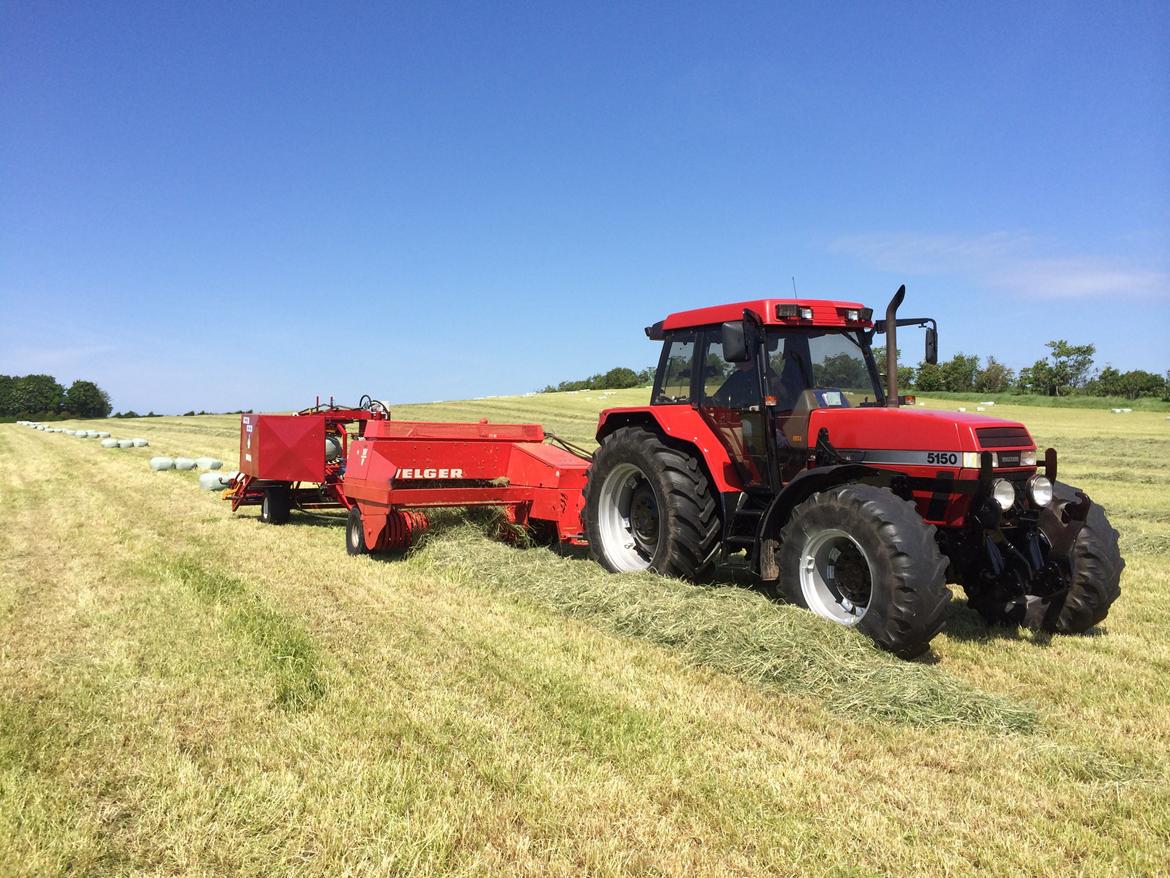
795,312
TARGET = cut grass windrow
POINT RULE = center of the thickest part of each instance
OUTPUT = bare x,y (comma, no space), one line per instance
727,629
286,651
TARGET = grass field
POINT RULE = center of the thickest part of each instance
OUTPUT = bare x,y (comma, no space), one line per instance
187,692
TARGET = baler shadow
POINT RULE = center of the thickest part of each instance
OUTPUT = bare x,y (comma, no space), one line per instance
303,519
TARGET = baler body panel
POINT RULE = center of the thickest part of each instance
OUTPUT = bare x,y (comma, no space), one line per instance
285,448
405,465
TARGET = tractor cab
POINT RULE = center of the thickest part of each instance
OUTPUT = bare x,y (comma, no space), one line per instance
755,372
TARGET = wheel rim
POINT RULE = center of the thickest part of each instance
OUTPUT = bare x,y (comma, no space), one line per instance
355,534
628,519
836,577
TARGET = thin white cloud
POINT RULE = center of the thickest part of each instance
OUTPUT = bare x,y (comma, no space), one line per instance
1078,278
931,254
1005,261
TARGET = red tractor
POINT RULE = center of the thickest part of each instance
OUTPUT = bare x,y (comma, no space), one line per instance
769,432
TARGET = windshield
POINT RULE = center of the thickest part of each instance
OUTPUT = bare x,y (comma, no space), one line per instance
809,370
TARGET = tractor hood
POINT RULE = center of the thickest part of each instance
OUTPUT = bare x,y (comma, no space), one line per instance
877,429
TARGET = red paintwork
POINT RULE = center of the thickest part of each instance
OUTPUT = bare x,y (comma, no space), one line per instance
401,465
903,428
685,423
897,429
290,449
825,313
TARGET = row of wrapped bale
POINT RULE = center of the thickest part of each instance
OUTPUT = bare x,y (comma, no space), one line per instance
158,464
106,440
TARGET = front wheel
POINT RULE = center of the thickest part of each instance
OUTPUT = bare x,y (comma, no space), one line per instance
1095,570
276,505
860,556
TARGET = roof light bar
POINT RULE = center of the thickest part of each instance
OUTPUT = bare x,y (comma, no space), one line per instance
855,315
790,311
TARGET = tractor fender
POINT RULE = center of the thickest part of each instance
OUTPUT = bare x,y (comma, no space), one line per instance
685,425
806,484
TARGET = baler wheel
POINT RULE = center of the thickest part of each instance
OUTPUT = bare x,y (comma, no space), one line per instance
276,505
355,533
648,506
860,556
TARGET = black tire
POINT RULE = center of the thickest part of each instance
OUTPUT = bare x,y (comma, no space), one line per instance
861,556
276,505
1096,571
355,534
672,519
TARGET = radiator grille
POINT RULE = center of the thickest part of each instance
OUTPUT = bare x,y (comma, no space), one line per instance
1003,437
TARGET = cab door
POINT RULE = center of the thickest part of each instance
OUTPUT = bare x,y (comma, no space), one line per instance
730,397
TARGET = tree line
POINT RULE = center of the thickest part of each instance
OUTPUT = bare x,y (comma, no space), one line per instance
1067,370
614,379
42,397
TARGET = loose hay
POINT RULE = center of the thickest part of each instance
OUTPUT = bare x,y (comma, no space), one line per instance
729,629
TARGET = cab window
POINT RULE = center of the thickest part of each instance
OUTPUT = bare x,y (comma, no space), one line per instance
676,369
728,385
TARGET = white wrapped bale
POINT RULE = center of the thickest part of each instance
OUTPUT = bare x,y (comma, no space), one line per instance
184,463
158,464
102,434
67,431
109,443
208,463
125,443
213,481
140,443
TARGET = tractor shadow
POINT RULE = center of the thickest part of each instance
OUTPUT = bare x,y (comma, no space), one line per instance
964,624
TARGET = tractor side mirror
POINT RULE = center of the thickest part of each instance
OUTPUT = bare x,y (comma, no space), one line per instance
735,349
932,345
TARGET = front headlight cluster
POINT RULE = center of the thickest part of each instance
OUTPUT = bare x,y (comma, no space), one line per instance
973,459
1039,490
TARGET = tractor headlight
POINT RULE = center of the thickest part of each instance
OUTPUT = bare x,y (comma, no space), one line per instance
1004,493
1027,458
1040,490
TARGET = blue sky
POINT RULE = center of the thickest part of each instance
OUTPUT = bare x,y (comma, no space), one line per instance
217,206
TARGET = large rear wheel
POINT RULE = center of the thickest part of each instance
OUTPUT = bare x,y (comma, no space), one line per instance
860,556
648,506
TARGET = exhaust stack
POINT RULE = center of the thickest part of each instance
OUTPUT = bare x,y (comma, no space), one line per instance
892,347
